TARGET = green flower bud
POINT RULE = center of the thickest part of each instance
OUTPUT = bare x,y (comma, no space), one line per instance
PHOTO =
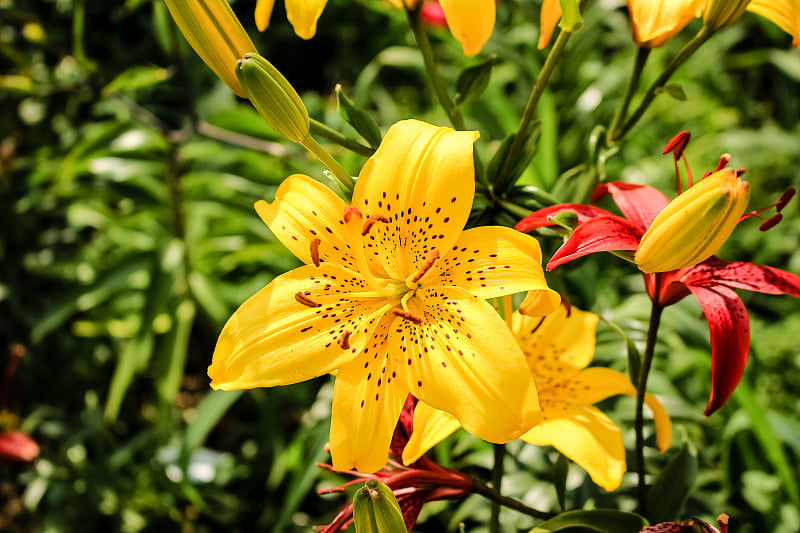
375,510
214,32
693,226
720,14
273,97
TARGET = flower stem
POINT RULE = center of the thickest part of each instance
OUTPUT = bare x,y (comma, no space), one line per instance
630,89
641,388
320,153
497,480
424,44
481,487
685,53
326,132
521,135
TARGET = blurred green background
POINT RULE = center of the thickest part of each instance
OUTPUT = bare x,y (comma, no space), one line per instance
127,179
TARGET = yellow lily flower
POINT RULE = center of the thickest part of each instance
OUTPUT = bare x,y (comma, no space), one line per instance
392,298
784,13
302,14
656,21
558,348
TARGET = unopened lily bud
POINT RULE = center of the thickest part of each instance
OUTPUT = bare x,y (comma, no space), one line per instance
405,4
375,510
273,97
693,226
214,32
720,14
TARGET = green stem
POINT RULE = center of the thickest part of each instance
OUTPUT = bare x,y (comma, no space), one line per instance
686,52
481,487
521,136
514,209
320,153
497,480
326,132
424,44
641,388
630,89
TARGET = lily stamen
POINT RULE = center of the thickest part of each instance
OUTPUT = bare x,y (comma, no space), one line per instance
768,223
408,315
371,222
314,249
352,218
433,255
305,300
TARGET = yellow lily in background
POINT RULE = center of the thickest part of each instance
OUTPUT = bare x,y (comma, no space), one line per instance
392,297
470,21
784,13
302,14
558,348
654,22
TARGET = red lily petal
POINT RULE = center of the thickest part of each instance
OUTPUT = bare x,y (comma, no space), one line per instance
16,447
740,275
729,326
601,234
639,203
403,430
433,14
541,218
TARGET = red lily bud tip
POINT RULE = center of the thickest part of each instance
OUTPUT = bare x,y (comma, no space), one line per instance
677,144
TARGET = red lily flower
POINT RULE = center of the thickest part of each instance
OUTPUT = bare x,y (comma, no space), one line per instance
414,485
711,282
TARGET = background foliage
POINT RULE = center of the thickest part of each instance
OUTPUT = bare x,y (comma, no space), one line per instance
127,179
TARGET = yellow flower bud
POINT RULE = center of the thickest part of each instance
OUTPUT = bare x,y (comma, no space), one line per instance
375,509
656,21
214,32
405,4
720,14
273,97
693,226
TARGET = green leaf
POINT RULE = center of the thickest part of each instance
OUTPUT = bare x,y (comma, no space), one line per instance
560,471
514,169
360,120
473,80
674,90
135,78
173,359
668,494
601,520
209,411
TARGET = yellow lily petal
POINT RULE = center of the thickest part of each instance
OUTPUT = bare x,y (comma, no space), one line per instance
422,180
463,359
656,21
303,15
492,261
263,12
297,342
297,222
431,426
367,399
550,14
558,346
596,384
784,13
589,438
470,21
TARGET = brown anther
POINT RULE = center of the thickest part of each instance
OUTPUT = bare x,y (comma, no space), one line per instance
349,211
567,305
724,159
344,340
371,222
740,172
314,249
408,315
788,195
677,144
433,255
771,222
305,300
537,326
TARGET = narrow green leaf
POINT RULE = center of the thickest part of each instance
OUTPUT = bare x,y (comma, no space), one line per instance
360,120
176,343
135,78
670,491
675,91
473,80
601,520
213,406
560,471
